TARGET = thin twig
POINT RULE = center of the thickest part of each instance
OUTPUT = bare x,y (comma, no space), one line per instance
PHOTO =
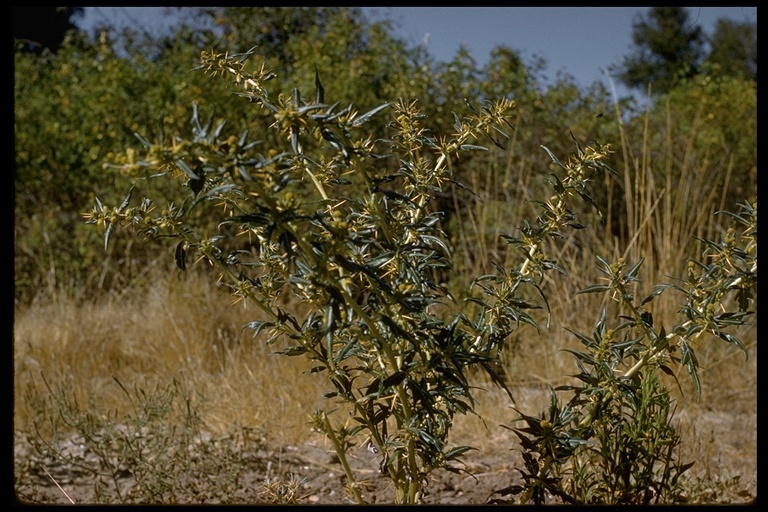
57,485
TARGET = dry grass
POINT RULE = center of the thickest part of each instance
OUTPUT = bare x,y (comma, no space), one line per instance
180,327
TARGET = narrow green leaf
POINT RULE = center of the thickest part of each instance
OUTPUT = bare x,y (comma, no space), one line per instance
245,55
394,379
596,288
552,156
295,141
329,328
107,234
469,147
181,255
438,241
257,326
243,138
346,349
261,99
457,452
144,142
365,117
217,131
457,124
632,271
293,351
672,374
196,117
657,291
319,89
736,341
126,201
184,167
689,360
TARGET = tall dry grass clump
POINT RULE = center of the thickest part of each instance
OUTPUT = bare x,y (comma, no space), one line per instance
175,328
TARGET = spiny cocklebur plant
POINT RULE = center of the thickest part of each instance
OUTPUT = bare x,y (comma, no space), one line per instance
332,222
614,441
505,288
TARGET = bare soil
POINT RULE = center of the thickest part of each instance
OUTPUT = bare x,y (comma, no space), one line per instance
724,452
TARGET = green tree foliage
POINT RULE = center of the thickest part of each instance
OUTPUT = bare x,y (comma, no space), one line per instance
38,28
706,126
73,109
338,41
716,130
733,49
668,48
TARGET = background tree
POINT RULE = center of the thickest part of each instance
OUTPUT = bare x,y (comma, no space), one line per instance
38,28
72,110
733,49
668,47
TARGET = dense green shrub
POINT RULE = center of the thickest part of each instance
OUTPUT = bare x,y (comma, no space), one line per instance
73,111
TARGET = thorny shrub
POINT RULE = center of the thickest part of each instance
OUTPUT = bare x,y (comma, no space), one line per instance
345,223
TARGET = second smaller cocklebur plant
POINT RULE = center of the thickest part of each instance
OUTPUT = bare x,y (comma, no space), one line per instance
614,442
